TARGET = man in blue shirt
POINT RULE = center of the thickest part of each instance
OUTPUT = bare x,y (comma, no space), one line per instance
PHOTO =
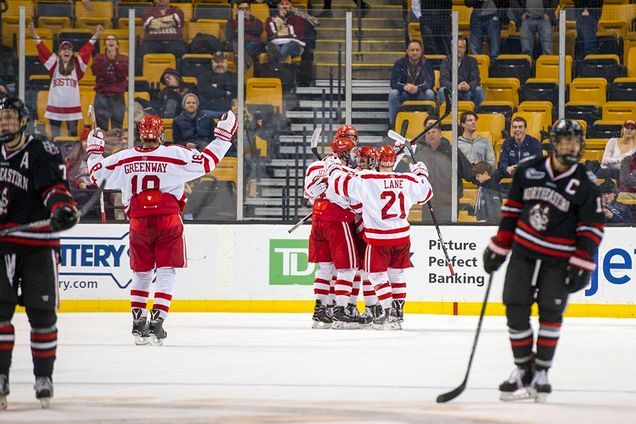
517,147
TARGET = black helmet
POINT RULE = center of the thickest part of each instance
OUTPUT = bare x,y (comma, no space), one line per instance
23,112
565,128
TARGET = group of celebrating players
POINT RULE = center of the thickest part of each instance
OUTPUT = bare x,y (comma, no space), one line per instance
360,232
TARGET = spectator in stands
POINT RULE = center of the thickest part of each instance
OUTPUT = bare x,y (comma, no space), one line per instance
284,34
193,127
627,178
435,24
615,213
486,19
412,78
114,141
517,147
326,8
218,89
5,92
163,30
475,147
436,152
253,32
76,165
588,13
111,82
168,103
468,87
489,195
538,17
66,70
616,149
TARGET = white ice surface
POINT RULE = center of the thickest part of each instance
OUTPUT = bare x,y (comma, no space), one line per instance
272,368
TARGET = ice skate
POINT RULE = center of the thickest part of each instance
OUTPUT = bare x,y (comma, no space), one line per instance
352,312
140,328
320,318
341,320
4,390
398,305
394,322
540,387
516,387
380,317
156,332
44,391
366,318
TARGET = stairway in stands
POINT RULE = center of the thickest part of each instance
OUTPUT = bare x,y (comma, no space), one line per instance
376,47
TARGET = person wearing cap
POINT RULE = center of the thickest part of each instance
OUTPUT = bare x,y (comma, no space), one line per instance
163,30
111,81
616,149
615,213
285,32
217,89
253,32
66,69
193,127
168,103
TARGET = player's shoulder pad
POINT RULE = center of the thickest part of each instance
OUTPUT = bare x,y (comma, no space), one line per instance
41,144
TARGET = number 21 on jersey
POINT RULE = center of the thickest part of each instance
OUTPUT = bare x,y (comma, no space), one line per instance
391,199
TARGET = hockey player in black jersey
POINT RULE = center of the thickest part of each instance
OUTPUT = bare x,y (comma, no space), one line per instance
33,187
552,221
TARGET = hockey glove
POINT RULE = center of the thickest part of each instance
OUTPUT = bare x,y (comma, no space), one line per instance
577,278
95,142
226,127
332,164
63,218
494,256
316,189
418,168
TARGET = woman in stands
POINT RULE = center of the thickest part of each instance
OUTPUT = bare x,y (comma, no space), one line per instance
66,70
618,148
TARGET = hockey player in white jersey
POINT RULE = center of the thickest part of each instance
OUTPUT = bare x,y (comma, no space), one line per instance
386,198
151,178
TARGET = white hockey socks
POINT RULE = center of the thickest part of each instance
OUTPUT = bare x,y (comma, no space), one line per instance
140,290
164,288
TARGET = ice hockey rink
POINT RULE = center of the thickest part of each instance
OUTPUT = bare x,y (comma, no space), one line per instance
273,368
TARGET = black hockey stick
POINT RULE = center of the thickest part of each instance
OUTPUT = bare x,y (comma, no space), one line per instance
315,137
46,222
445,397
447,111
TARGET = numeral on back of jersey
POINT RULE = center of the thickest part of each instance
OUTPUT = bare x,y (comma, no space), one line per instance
148,182
391,197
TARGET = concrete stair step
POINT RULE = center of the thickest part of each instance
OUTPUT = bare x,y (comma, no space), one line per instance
378,11
376,127
363,139
331,44
367,104
303,115
383,22
387,33
359,70
340,4
321,56
277,212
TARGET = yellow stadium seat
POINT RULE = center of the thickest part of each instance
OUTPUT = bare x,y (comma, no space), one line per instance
226,170
428,106
589,89
592,154
483,63
465,217
267,91
544,107
619,111
535,122
261,146
122,23
155,63
631,63
31,47
101,13
414,31
493,122
410,124
595,143
215,27
547,67
415,214
464,16
506,89
462,106
186,8
54,23
87,97
10,19
469,197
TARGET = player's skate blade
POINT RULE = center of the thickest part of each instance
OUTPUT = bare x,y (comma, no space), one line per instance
141,340
321,325
3,402
521,394
44,391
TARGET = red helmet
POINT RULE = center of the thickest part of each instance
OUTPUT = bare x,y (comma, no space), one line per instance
368,154
151,128
342,144
347,131
385,155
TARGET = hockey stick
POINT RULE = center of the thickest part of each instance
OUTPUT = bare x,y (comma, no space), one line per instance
445,397
102,207
395,136
447,111
315,137
46,222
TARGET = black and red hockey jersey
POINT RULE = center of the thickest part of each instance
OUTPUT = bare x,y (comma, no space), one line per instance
548,215
32,185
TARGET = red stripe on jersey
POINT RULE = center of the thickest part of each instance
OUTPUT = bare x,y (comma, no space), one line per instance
6,346
59,109
346,185
146,159
583,254
30,242
209,152
596,239
512,203
591,224
510,215
314,168
391,231
555,240
533,246
386,241
505,237
388,177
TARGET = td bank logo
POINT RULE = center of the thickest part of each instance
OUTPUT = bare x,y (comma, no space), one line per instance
288,262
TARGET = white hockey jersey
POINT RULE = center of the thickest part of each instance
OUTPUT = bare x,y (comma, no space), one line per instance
330,206
386,198
152,181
